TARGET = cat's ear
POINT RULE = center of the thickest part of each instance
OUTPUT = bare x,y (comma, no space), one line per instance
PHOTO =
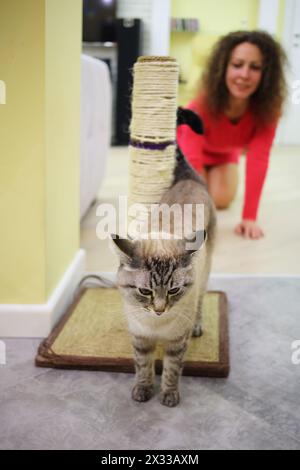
124,247
195,241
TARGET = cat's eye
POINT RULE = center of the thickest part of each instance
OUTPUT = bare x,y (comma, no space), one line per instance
174,291
145,291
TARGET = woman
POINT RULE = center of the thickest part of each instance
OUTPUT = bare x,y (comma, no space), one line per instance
240,103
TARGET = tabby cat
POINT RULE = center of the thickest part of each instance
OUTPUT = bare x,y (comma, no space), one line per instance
163,284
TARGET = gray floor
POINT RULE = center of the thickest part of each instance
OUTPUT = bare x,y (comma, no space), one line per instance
256,408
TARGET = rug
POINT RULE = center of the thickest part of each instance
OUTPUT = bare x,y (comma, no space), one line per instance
93,335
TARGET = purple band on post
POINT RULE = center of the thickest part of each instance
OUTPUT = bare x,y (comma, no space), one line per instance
151,145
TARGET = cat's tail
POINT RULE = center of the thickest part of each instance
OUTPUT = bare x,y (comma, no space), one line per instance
187,116
183,170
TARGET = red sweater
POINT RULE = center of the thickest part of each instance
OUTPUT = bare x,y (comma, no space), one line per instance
223,142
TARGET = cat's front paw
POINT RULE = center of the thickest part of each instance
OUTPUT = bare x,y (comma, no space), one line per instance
197,331
169,398
142,393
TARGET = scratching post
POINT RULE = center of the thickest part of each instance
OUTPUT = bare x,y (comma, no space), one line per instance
152,129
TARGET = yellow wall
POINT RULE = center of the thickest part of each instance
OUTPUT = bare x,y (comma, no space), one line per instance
22,147
280,22
218,15
39,145
215,17
63,49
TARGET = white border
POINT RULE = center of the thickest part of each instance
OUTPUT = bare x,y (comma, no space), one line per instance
37,320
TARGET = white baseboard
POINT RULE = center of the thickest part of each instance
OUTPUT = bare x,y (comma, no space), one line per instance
37,320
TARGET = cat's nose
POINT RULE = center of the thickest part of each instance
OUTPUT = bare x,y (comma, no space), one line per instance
160,307
159,312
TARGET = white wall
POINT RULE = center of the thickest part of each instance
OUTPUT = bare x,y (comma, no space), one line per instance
289,127
268,15
161,24
155,15
2,92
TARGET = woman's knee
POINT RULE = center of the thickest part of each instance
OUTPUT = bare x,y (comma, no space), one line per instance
222,200
222,185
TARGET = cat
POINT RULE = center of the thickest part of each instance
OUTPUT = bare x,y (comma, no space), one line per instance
163,283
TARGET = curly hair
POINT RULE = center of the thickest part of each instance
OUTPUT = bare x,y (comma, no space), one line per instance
267,101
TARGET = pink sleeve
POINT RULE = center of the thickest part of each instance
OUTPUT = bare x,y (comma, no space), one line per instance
190,143
256,169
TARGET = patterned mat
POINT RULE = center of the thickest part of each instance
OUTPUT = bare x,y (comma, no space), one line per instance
93,335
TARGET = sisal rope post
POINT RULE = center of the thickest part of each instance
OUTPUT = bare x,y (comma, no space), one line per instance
152,130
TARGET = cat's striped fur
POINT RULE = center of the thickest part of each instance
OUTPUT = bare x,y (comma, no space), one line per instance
163,285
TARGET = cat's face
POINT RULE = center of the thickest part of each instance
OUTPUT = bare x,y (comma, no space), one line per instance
154,275
157,284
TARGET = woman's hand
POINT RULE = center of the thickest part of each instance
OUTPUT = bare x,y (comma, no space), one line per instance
249,229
